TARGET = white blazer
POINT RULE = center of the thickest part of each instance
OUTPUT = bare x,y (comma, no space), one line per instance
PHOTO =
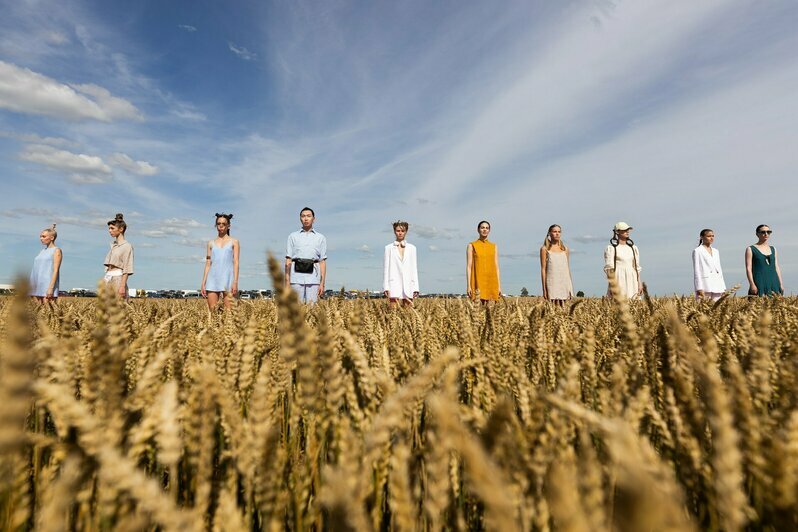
400,276
707,274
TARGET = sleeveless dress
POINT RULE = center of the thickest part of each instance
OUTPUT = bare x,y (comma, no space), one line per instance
42,273
558,276
220,276
625,260
763,270
484,277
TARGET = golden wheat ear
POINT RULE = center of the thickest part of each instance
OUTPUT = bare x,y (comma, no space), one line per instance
17,365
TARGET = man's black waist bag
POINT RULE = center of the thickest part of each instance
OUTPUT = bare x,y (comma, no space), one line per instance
304,265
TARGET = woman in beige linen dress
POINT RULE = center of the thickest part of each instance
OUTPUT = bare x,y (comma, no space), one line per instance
622,259
555,271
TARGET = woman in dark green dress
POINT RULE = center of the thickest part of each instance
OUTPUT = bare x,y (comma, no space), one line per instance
762,266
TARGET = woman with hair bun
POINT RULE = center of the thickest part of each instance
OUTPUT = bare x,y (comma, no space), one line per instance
622,261
45,276
762,265
555,271
707,274
220,278
119,260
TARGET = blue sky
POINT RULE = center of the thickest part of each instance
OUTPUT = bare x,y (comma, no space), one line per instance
672,116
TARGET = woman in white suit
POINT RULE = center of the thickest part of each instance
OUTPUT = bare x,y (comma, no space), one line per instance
707,273
400,271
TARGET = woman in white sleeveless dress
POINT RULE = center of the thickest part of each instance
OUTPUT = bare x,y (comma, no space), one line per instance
555,271
622,260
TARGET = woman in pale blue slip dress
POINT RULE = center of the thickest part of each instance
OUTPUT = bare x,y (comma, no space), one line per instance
220,278
46,268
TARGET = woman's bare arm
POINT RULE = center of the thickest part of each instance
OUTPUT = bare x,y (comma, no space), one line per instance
543,271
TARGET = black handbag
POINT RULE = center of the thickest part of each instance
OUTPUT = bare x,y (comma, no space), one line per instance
303,265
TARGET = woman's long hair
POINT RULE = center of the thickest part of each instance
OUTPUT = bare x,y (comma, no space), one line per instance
547,241
614,242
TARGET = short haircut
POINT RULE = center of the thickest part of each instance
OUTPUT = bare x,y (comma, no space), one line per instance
307,209
760,226
483,222
400,223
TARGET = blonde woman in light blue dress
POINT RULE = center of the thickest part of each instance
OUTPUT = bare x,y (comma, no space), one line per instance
45,276
220,279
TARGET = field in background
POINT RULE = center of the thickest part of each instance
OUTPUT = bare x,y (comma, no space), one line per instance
666,414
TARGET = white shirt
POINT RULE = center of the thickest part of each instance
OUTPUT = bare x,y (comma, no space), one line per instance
400,275
707,274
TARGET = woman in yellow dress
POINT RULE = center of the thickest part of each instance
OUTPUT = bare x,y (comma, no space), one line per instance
482,267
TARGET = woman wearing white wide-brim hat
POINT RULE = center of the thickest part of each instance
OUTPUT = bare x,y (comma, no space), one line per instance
622,258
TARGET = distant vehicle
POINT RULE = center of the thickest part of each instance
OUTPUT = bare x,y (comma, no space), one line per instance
82,292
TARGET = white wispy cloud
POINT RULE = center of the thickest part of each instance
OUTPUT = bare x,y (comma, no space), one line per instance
192,259
585,239
165,232
95,221
187,27
180,223
125,162
186,111
25,91
191,242
430,232
81,168
19,212
56,37
33,138
242,52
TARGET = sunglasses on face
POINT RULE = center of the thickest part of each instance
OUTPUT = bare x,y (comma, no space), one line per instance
765,232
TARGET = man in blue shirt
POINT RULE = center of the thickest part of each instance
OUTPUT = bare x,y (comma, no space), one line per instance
306,259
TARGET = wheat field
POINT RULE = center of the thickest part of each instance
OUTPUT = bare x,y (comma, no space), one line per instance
664,414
